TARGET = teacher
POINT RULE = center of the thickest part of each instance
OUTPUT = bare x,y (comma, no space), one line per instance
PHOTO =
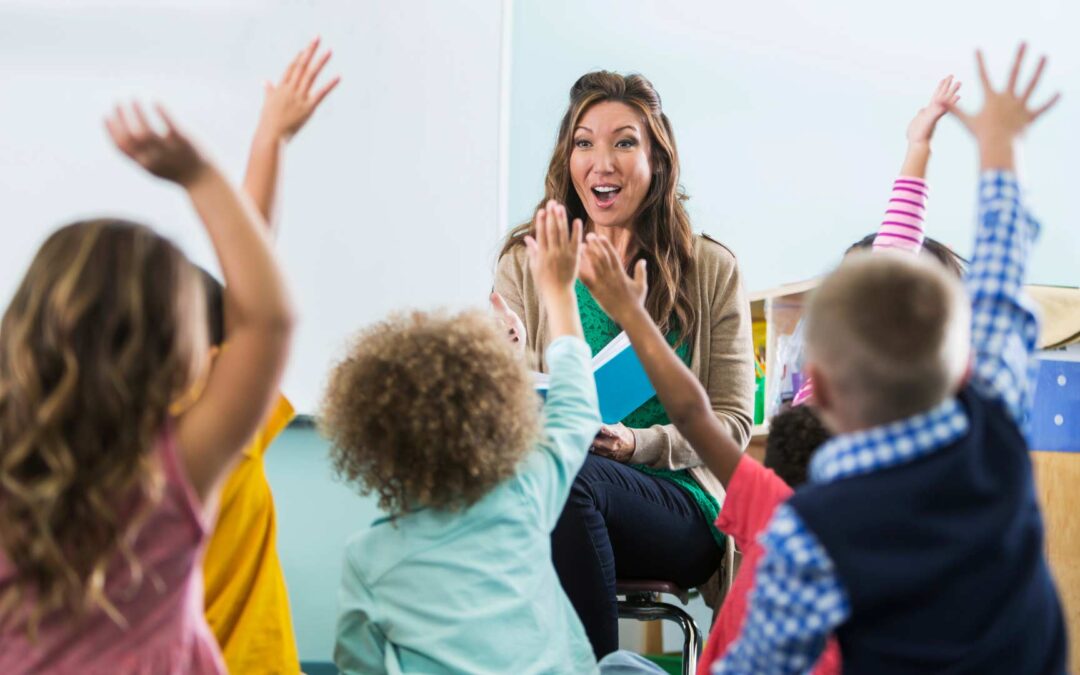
643,505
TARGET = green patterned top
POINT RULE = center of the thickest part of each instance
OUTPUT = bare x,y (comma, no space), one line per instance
599,330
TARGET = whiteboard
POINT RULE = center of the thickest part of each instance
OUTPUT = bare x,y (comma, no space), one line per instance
790,115
391,193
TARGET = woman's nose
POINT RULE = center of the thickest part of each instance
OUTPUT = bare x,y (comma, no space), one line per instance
605,162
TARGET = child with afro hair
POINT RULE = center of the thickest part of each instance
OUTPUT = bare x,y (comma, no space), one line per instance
437,414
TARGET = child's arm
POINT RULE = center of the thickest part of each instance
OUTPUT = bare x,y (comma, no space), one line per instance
571,415
243,381
902,227
684,399
1004,326
360,646
286,108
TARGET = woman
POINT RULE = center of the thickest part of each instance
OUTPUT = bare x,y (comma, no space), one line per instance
643,506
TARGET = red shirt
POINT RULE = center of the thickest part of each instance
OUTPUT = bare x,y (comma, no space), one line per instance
753,494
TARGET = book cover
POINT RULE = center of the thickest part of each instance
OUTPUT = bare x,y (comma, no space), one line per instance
621,382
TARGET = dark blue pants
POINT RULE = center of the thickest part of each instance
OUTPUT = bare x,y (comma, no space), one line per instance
621,523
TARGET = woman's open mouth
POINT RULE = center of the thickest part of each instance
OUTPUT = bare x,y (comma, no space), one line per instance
605,195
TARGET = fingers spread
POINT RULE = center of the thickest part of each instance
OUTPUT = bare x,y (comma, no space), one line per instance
1014,74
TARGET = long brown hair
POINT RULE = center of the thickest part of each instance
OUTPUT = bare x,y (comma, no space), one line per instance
93,349
662,233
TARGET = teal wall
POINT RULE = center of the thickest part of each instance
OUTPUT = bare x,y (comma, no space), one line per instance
316,514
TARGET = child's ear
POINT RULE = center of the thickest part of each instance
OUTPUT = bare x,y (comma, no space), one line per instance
824,402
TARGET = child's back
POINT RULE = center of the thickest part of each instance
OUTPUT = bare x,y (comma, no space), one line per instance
164,631
948,568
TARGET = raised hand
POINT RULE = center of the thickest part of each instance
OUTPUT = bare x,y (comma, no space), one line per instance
1005,114
291,102
921,129
515,329
170,155
604,276
554,249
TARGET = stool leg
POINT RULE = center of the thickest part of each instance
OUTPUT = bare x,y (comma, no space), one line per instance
691,650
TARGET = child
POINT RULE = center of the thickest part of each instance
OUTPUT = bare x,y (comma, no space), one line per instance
437,414
918,541
103,495
247,603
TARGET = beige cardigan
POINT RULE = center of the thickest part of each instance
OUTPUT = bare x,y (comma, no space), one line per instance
721,354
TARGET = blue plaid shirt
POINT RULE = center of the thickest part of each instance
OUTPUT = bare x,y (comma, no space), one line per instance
798,598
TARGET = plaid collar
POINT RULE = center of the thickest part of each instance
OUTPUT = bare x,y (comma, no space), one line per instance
889,445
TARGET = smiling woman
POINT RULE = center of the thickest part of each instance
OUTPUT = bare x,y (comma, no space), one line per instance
643,506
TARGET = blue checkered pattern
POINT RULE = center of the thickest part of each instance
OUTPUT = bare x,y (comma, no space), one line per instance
889,445
798,599
1004,325
796,602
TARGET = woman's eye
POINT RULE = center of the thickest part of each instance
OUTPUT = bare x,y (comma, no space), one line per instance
626,143
582,143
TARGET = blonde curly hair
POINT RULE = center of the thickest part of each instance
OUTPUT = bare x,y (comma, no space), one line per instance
430,410
95,345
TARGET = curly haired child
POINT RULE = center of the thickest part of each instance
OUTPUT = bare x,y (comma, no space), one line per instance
437,415
105,495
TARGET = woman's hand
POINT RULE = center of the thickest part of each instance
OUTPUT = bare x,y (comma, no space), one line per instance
921,129
603,274
290,103
515,329
615,442
171,155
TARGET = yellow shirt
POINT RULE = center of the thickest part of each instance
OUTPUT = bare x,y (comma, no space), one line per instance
247,604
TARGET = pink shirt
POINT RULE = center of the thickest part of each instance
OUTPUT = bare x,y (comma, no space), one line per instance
753,494
901,230
166,633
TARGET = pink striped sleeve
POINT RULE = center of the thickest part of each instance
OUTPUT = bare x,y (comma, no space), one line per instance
902,227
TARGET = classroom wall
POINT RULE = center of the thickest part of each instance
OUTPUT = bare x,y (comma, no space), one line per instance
390,197
316,515
790,116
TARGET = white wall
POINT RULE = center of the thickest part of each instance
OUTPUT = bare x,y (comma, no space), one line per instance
790,116
391,193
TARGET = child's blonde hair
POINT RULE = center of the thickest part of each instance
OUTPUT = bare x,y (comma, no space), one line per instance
890,333
430,410
95,345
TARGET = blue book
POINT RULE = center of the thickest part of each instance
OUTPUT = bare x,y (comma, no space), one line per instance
621,382
1055,415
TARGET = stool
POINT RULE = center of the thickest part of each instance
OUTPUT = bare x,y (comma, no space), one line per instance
643,603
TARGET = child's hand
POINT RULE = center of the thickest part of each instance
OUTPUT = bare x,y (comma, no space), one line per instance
290,103
607,281
1005,114
553,249
921,129
170,155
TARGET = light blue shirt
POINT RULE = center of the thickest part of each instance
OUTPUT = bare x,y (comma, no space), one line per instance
475,591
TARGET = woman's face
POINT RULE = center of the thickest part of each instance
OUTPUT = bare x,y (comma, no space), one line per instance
610,163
